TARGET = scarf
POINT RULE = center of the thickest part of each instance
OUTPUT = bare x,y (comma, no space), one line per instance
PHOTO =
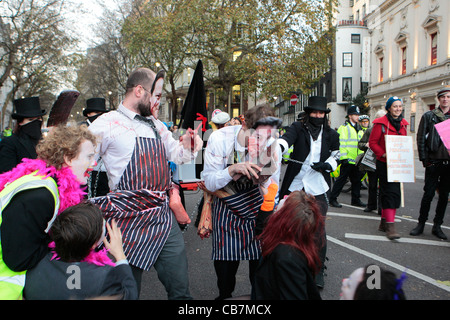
395,122
314,126
70,193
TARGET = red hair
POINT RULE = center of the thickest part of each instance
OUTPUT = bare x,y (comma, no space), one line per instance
297,223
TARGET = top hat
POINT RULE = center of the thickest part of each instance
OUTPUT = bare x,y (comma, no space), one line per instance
317,104
95,105
28,108
353,110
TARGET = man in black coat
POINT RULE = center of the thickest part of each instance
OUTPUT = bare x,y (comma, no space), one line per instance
436,161
98,185
22,143
316,145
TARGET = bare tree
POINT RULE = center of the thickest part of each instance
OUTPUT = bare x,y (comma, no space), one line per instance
33,47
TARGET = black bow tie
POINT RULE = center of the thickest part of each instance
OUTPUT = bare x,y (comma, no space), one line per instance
149,122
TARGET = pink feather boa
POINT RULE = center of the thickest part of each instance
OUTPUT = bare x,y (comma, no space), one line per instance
70,194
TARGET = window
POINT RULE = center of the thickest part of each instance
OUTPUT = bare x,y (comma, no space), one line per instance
347,58
347,89
356,38
434,48
403,60
381,70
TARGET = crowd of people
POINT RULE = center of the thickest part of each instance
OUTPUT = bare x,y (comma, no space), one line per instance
92,206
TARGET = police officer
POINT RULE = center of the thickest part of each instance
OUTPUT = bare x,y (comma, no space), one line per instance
349,135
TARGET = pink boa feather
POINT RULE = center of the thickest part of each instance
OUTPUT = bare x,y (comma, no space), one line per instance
70,194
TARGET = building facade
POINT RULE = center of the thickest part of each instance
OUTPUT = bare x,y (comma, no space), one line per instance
410,55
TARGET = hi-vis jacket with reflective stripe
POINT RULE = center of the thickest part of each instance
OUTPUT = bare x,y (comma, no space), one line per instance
348,139
11,282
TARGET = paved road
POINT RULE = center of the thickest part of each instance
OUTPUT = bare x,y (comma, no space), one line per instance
353,241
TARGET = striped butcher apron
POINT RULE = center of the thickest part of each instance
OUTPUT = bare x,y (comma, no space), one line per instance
140,205
234,220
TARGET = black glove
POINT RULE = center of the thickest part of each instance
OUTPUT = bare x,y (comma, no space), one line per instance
321,166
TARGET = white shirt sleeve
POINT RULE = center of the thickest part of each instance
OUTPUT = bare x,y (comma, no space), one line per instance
215,171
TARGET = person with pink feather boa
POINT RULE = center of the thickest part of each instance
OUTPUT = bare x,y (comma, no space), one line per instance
64,158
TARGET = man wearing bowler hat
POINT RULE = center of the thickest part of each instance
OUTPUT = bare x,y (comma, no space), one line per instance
98,182
316,150
349,135
27,133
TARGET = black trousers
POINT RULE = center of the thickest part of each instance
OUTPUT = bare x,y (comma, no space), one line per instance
226,276
390,193
372,201
437,177
347,171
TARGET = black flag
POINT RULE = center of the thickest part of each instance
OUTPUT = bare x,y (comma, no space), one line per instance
194,107
193,114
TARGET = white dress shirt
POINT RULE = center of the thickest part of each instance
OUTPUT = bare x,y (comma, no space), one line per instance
309,179
117,131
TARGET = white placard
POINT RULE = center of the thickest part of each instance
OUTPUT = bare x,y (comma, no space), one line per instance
400,158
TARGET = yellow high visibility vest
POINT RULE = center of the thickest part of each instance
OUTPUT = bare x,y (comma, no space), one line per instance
348,139
12,282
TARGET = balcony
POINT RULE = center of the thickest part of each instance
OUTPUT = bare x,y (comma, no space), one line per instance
361,23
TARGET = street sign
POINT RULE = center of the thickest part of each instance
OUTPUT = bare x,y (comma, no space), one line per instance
294,100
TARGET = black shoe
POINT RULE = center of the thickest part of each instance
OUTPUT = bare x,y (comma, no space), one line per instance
368,209
358,203
335,204
418,230
437,231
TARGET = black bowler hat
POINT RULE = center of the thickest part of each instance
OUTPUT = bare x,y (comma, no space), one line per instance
27,108
95,105
317,104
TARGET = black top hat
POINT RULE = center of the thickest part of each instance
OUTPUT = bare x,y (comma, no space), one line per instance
95,105
317,104
28,108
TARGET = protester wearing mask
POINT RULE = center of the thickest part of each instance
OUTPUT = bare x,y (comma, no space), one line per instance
95,107
316,145
98,183
27,133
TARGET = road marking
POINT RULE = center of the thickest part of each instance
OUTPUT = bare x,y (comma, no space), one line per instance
398,218
390,263
402,240
357,216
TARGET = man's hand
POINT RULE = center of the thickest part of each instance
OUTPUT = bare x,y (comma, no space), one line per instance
191,142
245,168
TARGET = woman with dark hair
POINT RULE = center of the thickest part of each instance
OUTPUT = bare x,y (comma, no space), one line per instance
76,233
290,255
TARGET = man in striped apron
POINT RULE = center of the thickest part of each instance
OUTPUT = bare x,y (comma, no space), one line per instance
235,214
135,148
